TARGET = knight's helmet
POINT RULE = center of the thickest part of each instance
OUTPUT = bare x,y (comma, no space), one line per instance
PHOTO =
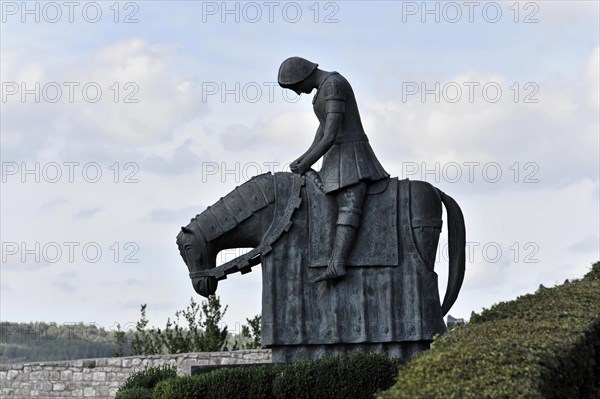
295,70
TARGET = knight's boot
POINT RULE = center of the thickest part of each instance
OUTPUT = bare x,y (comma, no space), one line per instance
345,234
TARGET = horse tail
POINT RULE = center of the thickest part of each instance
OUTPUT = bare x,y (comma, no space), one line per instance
456,250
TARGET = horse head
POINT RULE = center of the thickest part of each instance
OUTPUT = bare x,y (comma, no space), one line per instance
193,249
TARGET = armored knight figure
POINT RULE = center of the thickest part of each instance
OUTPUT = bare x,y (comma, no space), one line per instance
349,162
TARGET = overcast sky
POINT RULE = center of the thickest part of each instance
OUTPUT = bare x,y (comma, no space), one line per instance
121,121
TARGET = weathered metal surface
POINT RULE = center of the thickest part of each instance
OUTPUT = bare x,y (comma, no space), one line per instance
373,304
377,239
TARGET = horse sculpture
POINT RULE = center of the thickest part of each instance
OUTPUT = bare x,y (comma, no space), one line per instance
387,302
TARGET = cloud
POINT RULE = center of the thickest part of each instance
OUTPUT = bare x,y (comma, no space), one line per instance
5,288
182,161
133,282
64,286
16,263
52,204
173,215
589,243
88,213
593,78
140,99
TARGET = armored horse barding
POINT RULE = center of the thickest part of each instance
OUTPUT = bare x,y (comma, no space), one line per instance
387,302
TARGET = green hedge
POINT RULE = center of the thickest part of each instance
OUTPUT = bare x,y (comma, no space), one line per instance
134,393
545,345
139,384
350,376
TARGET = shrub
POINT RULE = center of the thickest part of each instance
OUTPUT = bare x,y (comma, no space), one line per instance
594,273
134,393
180,388
351,376
357,375
543,345
149,377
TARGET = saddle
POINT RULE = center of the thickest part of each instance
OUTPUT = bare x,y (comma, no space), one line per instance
377,239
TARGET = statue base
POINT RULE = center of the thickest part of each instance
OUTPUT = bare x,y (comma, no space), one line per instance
403,351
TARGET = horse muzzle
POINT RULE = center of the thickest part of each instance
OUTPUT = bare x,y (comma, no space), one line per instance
205,286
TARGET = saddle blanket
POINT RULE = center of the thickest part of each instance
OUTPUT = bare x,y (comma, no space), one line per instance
377,240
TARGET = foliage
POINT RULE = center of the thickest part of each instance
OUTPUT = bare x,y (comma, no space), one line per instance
350,376
180,340
203,333
30,342
594,273
134,393
149,377
145,342
543,345
347,376
119,344
251,333
213,337
181,388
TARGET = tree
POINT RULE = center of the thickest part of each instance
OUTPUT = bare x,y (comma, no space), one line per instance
213,337
205,332
251,333
178,340
119,344
145,342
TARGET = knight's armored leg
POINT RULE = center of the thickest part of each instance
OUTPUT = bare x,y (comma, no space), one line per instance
350,202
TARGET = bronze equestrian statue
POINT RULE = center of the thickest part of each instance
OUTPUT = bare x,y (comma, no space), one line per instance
349,162
347,254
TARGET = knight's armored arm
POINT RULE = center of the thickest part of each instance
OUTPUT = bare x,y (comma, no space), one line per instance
333,123
318,137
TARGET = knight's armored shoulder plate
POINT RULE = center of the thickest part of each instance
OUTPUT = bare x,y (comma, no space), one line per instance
333,88
334,94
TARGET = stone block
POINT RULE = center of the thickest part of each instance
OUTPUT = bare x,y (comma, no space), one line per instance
102,390
12,374
89,391
115,362
58,386
22,393
66,375
36,376
99,376
53,376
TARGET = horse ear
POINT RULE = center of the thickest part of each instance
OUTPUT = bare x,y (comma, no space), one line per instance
186,230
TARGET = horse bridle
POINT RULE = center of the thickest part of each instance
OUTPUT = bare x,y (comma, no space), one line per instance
244,263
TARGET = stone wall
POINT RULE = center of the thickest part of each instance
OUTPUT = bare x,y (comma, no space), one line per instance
100,378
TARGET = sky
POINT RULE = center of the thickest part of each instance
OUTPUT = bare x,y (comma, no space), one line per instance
122,120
